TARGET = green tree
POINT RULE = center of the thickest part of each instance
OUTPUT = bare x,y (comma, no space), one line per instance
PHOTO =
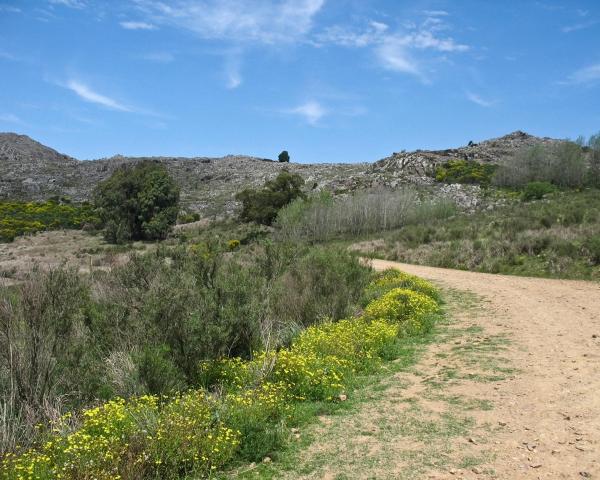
261,206
593,177
284,157
139,202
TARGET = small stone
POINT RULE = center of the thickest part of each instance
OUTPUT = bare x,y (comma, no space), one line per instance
536,465
267,460
585,474
477,470
452,471
594,335
343,397
502,424
295,430
555,451
472,440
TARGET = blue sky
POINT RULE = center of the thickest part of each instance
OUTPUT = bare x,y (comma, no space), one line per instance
328,80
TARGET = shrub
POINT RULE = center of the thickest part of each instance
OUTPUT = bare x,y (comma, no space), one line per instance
593,175
261,206
139,202
562,164
407,308
259,415
392,278
465,171
195,433
536,190
593,247
188,217
23,218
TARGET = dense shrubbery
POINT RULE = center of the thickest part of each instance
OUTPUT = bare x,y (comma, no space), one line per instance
465,171
138,202
147,326
553,237
21,218
537,190
321,217
195,433
566,164
261,206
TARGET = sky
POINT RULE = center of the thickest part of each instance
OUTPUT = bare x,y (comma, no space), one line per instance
327,80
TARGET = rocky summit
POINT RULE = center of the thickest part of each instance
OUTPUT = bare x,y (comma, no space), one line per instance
32,171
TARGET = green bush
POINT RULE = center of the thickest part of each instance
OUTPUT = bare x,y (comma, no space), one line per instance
536,190
284,157
138,202
465,171
23,218
196,433
261,206
593,247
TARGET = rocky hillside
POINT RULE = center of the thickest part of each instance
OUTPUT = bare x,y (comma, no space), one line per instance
32,171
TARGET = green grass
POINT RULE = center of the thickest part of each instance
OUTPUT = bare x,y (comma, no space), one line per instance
556,237
432,437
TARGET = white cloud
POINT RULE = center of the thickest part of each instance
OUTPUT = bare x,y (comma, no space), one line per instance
159,57
436,13
137,26
89,95
397,51
9,9
479,100
425,39
233,78
312,111
393,55
79,4
11,118
578,26
587,75
263,21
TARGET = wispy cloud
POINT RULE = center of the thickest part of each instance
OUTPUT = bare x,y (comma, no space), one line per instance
159,57
263,21
393,55
137,26
79,4
436,13
587,75
9,8
578,26
479,100
86,93
11,118
312,111
397,50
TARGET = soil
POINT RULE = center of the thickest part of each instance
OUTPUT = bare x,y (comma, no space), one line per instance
509,390
550,409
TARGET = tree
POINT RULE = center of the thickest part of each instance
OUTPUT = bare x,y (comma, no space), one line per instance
262,206
284,157
139,202
594,160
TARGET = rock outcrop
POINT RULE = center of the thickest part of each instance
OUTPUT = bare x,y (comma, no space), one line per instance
32,171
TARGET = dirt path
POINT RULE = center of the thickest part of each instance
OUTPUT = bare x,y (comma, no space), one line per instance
551,407
509,389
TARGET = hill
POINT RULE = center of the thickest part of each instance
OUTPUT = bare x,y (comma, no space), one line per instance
32,171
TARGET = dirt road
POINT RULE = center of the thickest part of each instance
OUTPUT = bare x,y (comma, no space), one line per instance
508,388
550,408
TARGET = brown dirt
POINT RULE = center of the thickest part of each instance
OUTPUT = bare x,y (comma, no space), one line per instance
550,409
510,389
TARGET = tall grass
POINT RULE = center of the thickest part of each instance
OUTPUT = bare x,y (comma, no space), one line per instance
322,218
